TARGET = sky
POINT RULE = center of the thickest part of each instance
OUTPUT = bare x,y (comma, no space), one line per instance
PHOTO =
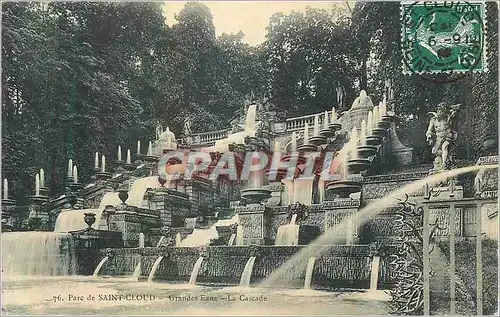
250,17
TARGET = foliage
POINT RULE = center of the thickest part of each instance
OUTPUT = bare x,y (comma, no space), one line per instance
81,77
307,58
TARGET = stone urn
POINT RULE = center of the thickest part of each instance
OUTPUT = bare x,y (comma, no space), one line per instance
89,218
162,181
123,195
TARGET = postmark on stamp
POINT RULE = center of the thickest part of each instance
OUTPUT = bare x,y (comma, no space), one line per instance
443,37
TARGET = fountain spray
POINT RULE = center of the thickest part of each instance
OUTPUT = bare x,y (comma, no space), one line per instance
376,116
96,160
334,116
103,163
297,263
119,153
325,121
306,134
316,125
382,109
42,178
150,149
70,169
369,123
75,174
139,147
129,159
353,143
37,184
5,189
363,133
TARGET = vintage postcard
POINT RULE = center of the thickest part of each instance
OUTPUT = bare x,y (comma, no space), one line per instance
249,158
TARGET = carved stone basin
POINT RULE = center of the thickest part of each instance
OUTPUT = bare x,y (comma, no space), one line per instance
308,148
281,173
379,132
387,118
327,133
335,126
151,158
374,140
384,124
344,188
357,166
318,140
255,195
300,159
366,151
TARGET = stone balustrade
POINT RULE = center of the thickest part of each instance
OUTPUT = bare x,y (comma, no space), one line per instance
290,125
298,123
208,137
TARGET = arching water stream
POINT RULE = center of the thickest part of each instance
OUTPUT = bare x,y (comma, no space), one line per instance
298,263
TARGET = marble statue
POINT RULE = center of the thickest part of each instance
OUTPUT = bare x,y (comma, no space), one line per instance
389,91
159,129
340,96
186,130
441,134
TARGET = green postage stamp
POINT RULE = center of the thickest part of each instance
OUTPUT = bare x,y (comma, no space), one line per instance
443,37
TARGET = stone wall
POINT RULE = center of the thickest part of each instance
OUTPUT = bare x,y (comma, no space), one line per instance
338,267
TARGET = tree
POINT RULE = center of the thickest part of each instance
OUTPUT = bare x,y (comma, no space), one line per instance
307,59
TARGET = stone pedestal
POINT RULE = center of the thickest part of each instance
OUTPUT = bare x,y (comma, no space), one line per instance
88,242
131,223
486,186
486,180
200,194
254,225
336,212
44,191
172,205
9,215
38,209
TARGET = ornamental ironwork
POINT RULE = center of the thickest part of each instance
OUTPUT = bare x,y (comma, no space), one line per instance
406,260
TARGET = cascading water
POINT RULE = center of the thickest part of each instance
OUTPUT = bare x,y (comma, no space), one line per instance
137,272
110,198
139,188
38,253
154,268
99,266
196,270
249,128
374,273
288,234
247,272
232,238
250,119
309,272
72,220
297,263
203,236
160,242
